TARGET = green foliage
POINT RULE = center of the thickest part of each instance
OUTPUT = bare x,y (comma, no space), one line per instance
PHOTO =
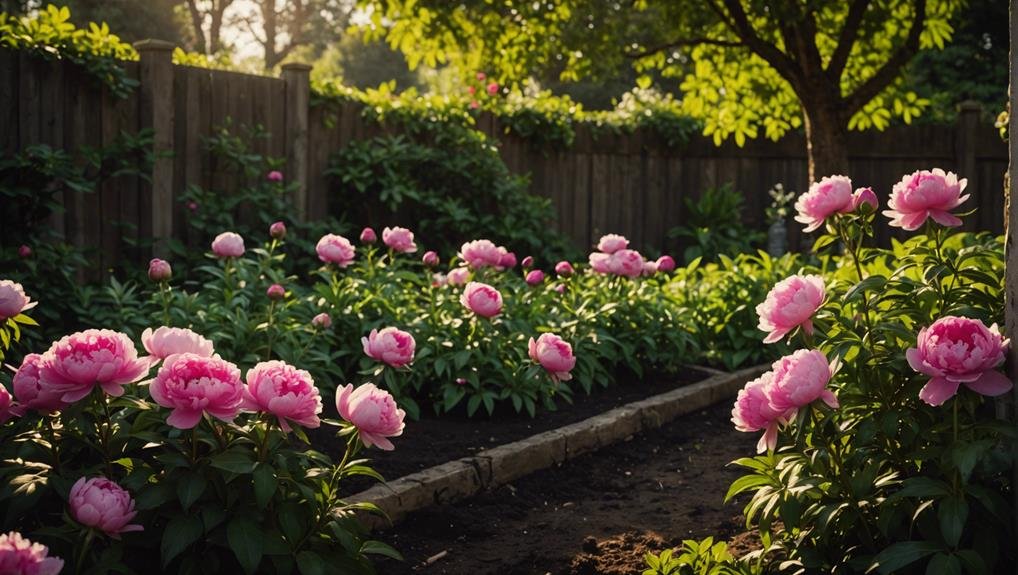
887,483
713,226
50,34
703,557
450,182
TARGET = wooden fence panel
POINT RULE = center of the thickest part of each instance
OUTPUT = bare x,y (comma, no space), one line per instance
628,184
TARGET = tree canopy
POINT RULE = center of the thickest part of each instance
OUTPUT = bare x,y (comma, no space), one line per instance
746,68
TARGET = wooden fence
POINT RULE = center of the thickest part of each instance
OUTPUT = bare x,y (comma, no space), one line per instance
629,184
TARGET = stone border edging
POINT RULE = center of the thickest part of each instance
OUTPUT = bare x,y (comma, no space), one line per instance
462,478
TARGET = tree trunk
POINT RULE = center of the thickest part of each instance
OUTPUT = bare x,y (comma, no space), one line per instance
826,141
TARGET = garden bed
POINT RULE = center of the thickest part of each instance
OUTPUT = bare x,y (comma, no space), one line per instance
435,440
598,513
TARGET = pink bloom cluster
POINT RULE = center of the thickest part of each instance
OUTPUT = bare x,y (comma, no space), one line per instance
228,245
30,392
399,240
957,350
13,300
554,354
791,303
482,299
613,257
390,345
278,388
104,505
78,362
167,341
373,412
795,381
832,195
484,253
192,385
19,556
335,249
926,194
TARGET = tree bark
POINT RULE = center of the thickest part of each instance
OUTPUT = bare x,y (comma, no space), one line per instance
826,145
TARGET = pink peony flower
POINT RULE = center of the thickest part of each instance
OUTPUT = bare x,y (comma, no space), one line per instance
458,276
373,412
800,379
492,89
534,277
193,206
399,239
554,354
665,264
78,362
958,350
831,195
791,303
628,263
104,505
368,236
506,261
275,292
228,245
649,267
474,104
322,320
159,270
29,390
284,391
6,409
277,230
191,385
430,259
390,345
612,243
481,76
600,262
24,252
471,90
482,299
527,263
438,279
753,412
481,253
564,269
560,288
167,341
926,194
334,249
13,300
19,556
461,381
274,176
864,199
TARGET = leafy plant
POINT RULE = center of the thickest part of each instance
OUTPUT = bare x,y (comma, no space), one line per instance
713,226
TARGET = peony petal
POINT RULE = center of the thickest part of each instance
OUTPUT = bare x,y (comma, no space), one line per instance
991,384
184,419
938,390
945,218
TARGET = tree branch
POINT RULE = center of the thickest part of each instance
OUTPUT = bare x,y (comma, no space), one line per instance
683,42
781,62
846,39
889,71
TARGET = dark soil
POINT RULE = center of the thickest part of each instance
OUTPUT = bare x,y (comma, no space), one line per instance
597,514
435,440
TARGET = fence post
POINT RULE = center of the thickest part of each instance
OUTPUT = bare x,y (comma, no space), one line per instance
155,101
298,99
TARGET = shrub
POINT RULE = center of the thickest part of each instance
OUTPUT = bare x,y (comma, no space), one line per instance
707,237
901,468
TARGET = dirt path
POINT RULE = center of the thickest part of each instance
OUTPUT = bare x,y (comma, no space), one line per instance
596,514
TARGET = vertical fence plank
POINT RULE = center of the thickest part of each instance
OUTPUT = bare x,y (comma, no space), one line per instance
156,105
298,97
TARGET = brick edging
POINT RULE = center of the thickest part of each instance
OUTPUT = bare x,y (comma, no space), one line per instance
461,478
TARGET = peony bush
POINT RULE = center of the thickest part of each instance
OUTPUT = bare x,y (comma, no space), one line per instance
879,448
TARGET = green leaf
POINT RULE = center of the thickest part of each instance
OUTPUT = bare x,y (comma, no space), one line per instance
901,554
190,488
310,563
245,539
953,513
379,548
745,483
239,462
264,484
943,564
180,532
